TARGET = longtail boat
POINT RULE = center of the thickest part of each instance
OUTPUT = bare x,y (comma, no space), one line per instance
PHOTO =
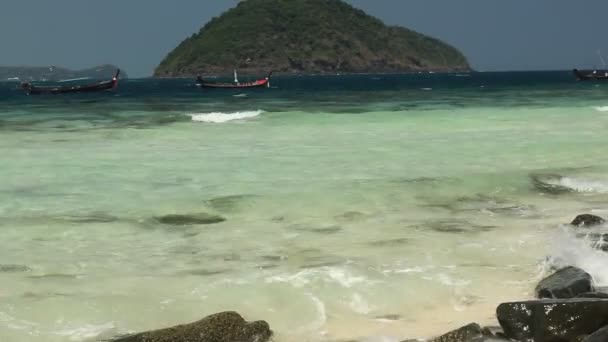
31,89
591,75
264,82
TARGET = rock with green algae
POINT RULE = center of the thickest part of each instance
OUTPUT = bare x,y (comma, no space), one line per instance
189,219
221,327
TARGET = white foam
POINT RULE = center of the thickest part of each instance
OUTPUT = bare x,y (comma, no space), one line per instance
602,108
569,250
87,331
17,324
321,319
584,185
326,274
219,117
359,305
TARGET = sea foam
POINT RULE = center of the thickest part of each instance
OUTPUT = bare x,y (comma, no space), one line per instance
219,117
570,249
584,185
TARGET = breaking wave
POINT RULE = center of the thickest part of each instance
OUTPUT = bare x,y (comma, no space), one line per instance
219,117
602,109
570,248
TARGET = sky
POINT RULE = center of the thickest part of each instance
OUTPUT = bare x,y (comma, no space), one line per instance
137,34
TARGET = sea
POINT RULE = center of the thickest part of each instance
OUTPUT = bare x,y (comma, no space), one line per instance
357,207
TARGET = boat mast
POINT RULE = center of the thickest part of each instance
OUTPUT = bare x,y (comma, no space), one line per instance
236,80
599,53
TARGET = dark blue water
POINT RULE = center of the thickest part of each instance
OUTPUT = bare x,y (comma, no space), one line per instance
158,101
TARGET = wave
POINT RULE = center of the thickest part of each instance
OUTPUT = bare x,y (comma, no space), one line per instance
602,108
584,185
326,274
569,248
88,331
557,183
219,117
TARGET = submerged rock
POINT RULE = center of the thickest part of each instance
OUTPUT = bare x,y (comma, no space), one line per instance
229,203
10,268
94,217
568,282
189,219
454,226
587,220
220,327
552,320
549,184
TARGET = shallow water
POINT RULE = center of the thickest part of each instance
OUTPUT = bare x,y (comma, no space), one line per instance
356,207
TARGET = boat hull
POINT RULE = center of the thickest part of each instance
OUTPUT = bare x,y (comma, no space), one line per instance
89,88
590,75
261,83
256,84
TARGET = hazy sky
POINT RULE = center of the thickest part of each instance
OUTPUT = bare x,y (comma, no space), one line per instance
137,34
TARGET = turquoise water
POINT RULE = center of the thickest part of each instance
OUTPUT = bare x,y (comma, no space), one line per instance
347,199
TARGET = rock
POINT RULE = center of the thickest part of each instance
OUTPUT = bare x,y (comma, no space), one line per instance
220,327
9,268
228,204
593,295
549,184
568,282
587,220
469,333
598,336
189,219
552,320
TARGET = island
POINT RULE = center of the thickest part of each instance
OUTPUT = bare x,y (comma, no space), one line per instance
53,73
306,37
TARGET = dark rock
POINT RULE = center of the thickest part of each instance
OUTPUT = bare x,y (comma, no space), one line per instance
390,242
549,184
351,216
14,268
95,217
317,230
587,220
453,226
220,327
593,295
565,283
468,333
189,219
598,336
229,203
552,320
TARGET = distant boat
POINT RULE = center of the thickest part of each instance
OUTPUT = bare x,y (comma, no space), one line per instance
13,79
592,75
265,82
31,89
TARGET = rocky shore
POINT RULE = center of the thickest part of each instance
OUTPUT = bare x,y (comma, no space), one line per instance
569,307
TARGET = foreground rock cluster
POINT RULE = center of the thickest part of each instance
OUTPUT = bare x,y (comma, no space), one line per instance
221,327
569,308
